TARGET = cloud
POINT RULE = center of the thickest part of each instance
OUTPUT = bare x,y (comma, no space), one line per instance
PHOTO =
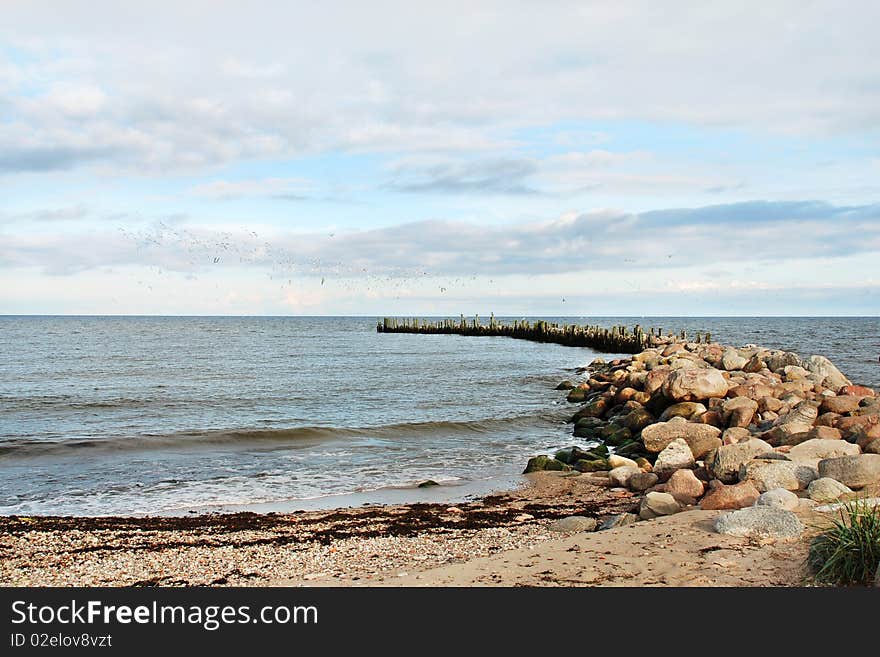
158,87
282,188
742,235
70,213
495,176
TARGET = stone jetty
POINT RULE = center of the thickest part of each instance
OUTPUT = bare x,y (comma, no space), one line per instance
614,339
692,425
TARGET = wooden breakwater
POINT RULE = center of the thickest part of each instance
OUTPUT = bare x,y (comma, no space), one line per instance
614,339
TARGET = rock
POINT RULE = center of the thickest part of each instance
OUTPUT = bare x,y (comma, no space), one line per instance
805,413
595,408
853,471
735,403
642,481
701,437
858,391
577,395
810,452
618,520
637,419
849,425
732,361
620,476
591,465
769,474
540,463
760,522
728,459
842,404
779,361
826,374
616,461
694,384
826,489
573,524
737,496
818,432
769,404
684,483
734,435
687,410
565,385
873,447
675,456
779,498
752,390
430,483
573,454
658,504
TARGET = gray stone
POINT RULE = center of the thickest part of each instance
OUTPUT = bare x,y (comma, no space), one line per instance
620,476
675,456
618,520
826,489
728,459
826,374
779,498
853,471
658,504
642,481
767,474
760,522
573,524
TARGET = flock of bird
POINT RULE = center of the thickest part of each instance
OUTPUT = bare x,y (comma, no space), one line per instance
196,252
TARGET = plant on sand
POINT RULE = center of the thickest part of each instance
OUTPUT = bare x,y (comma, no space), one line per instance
848,552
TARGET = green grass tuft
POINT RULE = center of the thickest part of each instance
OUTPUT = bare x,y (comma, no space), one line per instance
849,551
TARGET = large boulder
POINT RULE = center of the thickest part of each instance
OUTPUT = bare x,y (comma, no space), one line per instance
656,504
693,384
760,522
853,471
767,474
637,419
739,411
825,373
810,452
826,489
701,438
728,459
779,498
737,496
675,456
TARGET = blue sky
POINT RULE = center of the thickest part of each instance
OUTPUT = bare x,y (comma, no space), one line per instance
581,158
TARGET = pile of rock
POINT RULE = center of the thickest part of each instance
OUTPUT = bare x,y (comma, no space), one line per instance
724,428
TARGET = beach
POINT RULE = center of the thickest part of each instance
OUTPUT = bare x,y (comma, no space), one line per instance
500,540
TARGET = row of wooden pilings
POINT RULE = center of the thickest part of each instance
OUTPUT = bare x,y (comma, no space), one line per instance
614,339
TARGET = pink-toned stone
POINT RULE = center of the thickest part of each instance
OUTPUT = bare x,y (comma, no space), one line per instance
695,384
737,496
857,391
842,404
684,483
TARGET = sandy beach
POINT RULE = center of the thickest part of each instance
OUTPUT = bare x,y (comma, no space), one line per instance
499,540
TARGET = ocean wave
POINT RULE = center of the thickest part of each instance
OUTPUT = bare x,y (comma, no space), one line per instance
253,437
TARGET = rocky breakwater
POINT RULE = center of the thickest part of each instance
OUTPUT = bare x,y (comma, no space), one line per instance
749,430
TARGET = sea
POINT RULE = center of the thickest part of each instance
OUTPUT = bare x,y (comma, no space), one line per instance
124,415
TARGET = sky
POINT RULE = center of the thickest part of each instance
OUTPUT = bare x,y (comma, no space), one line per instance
392,158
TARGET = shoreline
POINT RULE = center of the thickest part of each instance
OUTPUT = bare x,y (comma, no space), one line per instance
544,533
